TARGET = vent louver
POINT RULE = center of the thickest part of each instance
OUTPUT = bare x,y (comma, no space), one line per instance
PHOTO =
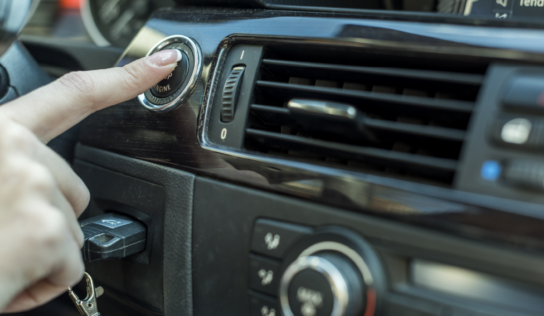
409,117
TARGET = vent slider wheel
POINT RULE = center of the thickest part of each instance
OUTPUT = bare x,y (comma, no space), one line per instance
230,94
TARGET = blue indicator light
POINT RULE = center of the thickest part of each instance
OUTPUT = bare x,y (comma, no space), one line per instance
491,170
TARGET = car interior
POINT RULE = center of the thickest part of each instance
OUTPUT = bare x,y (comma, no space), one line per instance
306,157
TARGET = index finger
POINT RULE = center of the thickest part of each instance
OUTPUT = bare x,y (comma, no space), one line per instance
54,108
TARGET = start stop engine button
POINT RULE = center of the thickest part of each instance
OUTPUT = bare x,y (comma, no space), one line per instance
177,87
175,79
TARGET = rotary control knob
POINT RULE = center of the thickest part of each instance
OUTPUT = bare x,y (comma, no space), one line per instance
323,284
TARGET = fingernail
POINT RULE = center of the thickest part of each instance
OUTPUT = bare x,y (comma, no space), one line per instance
165,57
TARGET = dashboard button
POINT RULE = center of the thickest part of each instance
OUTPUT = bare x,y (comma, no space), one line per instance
264,274
516,131
263,305
178,86
525,92
525,173
175,79
272,238
519,131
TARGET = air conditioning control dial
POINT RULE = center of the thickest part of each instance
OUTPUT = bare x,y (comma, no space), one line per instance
323,284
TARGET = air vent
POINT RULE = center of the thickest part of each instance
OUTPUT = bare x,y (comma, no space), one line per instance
408,115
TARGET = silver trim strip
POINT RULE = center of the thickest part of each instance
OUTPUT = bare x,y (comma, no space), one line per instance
88,22
31,12
324,107
346,251
192,78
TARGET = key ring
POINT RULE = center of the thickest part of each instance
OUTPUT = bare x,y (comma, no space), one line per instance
87,307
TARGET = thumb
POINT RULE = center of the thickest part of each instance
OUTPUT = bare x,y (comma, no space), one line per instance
54,108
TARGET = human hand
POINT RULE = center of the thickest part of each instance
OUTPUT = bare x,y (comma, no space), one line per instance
40,196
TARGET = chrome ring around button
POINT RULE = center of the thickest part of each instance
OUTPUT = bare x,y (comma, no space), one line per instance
346,251
328,270
187,87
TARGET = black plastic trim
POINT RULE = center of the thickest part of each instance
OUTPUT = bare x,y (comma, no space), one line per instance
395,157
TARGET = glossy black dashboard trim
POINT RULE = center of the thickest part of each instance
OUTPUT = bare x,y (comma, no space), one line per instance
418,16
504,222
391,15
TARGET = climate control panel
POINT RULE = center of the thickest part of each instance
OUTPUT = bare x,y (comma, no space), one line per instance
300,271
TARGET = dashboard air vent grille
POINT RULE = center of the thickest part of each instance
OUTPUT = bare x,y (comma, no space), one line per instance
378,115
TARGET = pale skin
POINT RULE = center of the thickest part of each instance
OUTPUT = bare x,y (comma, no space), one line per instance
40,196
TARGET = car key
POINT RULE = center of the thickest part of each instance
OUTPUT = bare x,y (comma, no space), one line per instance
87,307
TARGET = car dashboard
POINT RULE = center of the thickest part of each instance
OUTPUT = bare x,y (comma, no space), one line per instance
320,160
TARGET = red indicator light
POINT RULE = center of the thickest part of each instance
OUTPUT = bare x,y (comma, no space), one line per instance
370,302
70,4
541,99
